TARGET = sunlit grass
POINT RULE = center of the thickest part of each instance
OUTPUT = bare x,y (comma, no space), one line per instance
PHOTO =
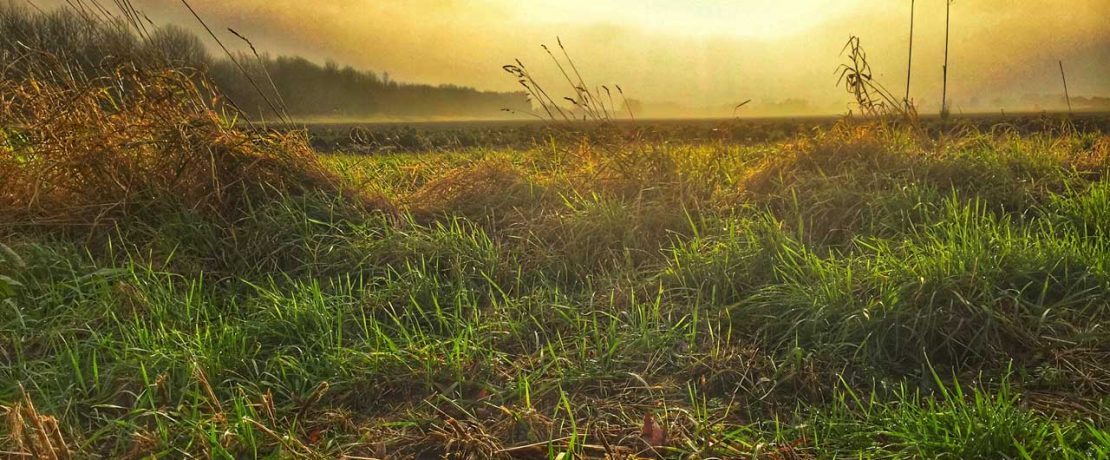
829,296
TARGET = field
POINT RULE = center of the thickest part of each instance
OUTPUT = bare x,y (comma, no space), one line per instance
179,280
847,288
415,137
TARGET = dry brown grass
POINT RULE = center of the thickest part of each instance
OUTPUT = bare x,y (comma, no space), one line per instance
487,188
31,434
841,149
89,151
1094,162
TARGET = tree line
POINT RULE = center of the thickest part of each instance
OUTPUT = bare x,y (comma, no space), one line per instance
256,84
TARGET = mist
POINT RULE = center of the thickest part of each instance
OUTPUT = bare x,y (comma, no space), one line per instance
694,58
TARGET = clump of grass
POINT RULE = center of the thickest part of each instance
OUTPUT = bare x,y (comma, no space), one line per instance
86,153
970,290
1086,211
588,104
11,261
871,98
86,144
598,232
38,434
844,149
484,189
727,265
956,420
831,183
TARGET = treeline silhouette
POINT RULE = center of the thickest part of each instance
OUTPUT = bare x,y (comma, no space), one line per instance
256,84
311,90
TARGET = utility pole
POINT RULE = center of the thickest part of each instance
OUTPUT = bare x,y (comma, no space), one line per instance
947,27
1065,78
909,66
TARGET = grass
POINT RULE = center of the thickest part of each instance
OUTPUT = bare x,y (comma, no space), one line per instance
176,285
826,296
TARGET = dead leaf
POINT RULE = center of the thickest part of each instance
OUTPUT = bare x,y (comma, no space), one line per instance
315,436
652,432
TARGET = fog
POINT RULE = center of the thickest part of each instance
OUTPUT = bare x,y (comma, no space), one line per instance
695,57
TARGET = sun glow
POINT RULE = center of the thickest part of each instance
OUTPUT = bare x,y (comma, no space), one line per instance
747,19
694,53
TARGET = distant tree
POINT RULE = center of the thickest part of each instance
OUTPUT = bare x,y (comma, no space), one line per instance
86,47
632,106
308,89
179,47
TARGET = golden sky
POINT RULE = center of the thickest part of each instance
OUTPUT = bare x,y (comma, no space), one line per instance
691,52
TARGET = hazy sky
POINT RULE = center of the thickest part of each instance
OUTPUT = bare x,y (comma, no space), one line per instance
693,52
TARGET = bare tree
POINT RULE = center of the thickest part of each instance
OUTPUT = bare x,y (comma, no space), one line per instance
178,47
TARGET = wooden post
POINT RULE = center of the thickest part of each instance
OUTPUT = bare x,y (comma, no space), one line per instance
1065,78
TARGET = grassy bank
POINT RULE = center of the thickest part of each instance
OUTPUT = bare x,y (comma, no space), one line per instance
859,291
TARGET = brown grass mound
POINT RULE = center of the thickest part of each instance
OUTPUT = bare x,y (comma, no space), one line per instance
487,188
85,152
845,148
1094,162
